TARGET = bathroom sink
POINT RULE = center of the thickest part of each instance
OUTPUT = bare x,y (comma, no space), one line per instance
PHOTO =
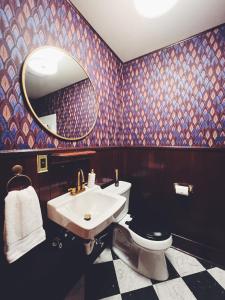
86,214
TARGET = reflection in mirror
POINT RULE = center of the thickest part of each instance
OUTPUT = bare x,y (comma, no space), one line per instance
59,93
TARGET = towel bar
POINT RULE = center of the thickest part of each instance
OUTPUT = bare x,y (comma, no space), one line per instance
18,181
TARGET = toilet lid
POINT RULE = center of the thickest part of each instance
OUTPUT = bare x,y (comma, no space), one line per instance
151,244
142,236
147,233
154,236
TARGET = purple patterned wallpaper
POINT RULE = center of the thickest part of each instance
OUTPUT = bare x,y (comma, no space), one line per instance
172,97
74,106
28,24
176,96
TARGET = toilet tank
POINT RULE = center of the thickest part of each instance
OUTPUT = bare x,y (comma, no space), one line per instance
124,190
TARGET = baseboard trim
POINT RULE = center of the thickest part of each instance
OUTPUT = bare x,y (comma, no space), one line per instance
199,250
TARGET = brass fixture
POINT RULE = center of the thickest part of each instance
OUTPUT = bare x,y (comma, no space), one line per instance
80,184
19,180
72,191
80,181
87,217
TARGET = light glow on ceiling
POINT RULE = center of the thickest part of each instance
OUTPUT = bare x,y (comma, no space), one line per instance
153,8
45,61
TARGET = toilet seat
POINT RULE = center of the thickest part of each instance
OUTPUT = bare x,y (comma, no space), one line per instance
151,241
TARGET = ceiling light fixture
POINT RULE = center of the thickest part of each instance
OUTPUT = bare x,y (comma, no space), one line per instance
43,68
153,8
45,61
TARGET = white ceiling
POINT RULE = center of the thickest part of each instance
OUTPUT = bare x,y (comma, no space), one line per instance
130,35
68,73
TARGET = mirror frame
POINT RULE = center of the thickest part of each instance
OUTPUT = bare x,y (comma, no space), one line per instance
24,67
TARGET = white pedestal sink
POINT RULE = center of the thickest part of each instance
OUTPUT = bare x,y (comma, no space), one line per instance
69,211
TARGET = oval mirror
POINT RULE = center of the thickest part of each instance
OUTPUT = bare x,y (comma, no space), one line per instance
59,93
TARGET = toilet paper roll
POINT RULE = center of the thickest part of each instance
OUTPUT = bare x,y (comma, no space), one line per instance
182,190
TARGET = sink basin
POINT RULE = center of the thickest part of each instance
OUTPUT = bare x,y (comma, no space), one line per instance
86,214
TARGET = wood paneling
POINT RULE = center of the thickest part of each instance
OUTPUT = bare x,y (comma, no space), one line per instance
199,217
45,268
62,170
152,171
74,153
106,160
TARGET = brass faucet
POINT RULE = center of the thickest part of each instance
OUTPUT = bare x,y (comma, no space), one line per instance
80,183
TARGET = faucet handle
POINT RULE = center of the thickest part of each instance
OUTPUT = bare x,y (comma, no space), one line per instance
72,191
82,180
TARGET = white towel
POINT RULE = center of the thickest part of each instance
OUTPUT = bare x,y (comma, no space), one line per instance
23,228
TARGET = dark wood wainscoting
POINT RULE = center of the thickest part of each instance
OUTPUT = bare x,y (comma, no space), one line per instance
47,272
62,171
152,171
199,217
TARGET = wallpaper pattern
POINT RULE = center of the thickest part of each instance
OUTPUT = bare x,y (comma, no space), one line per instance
176,96
28,24
172,97
74,106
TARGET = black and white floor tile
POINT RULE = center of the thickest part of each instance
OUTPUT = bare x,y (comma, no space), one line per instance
111,279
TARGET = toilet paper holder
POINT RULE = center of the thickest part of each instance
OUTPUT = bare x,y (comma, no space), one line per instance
182,188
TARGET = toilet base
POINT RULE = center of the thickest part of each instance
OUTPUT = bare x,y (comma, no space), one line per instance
152,264
149,263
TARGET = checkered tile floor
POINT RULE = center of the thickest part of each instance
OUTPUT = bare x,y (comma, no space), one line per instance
110,279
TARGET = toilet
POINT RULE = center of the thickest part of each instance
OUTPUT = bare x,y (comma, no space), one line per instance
142,251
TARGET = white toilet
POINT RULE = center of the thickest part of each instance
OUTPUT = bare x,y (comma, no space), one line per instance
143,252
